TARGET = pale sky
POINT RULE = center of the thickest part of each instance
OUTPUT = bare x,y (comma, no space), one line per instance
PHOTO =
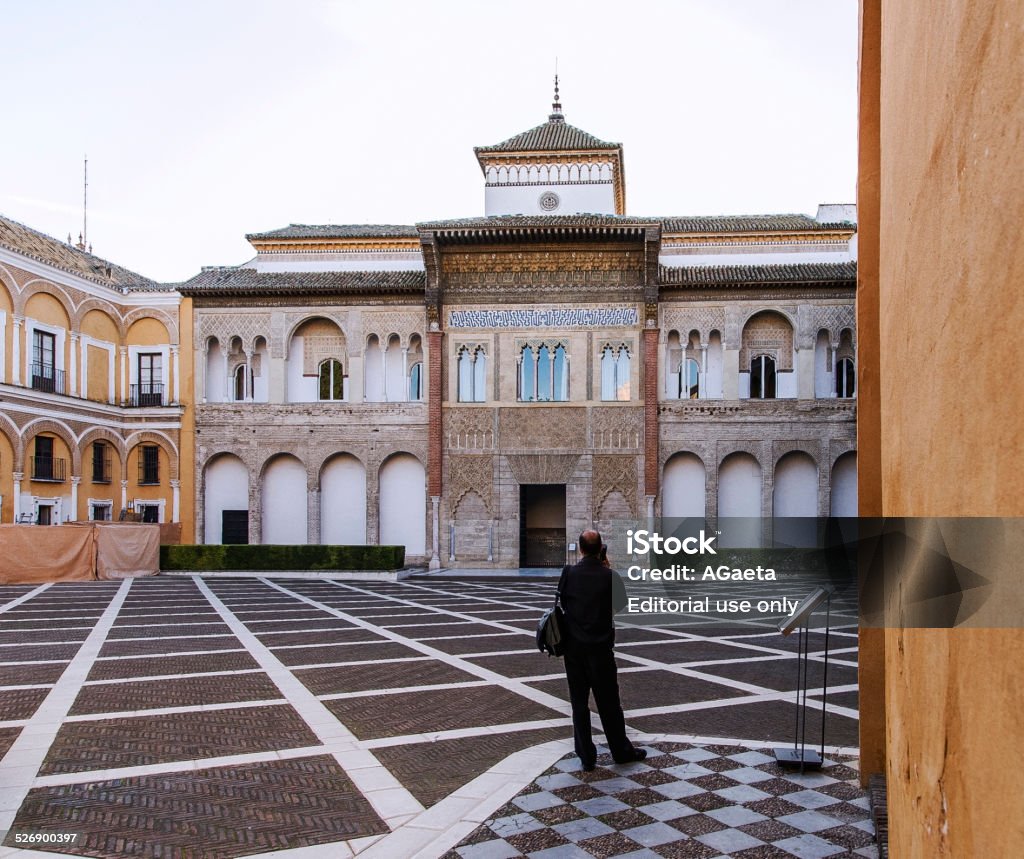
207,119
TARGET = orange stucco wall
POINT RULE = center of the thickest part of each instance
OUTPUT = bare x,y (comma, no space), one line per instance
946,276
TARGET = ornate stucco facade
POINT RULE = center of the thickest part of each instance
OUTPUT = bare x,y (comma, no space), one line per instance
480,390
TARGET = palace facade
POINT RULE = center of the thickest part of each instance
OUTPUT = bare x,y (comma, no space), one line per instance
480,390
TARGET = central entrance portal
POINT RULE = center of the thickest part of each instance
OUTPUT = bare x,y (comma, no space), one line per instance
542,525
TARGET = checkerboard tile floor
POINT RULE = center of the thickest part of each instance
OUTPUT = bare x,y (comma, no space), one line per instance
417,708
684,800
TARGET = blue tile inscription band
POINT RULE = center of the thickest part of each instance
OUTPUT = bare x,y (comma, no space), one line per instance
599,317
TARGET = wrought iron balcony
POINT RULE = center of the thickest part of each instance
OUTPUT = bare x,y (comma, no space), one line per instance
146,394
47,378
49,468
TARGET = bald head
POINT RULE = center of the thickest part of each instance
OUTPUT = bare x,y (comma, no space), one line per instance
590,543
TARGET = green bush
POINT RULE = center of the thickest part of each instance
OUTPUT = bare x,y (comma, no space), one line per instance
271,558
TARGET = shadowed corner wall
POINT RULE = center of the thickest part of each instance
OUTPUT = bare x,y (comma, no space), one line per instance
941,400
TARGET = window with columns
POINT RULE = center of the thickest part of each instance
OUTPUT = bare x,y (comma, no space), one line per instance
543,373
615,373
472,370
332,380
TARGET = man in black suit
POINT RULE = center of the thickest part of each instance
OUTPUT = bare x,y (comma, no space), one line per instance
590,593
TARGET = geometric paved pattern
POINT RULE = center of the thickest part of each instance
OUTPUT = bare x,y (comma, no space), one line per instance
256,715
683,801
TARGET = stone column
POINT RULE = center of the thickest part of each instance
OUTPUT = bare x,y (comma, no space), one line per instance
17,475
313,516
435,341
702,391
124,374
835,370
16,349
650,347
124,494
73,368
405,371
255,511
175,500
384,373
176,369
74,499
435,537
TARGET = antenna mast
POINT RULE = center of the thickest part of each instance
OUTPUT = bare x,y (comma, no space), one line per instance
85,203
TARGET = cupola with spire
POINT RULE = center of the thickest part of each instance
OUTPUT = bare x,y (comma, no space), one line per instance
553,169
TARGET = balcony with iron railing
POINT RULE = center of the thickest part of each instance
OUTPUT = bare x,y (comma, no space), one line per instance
47,378
145,394
49,469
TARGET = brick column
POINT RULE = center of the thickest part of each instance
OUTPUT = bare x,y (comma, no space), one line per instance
650,345
435,341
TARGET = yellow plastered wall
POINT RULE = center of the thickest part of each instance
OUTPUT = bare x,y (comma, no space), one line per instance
43,307
149,332
60,451
6,478
7,305
100,326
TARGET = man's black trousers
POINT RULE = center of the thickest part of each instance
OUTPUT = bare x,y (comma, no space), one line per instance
592,668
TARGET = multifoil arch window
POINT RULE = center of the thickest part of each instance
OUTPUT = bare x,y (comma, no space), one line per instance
472,368
543,372
615,372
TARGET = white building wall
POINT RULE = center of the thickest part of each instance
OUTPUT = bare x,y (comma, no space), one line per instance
216,374
739,501
683,490
844,486
403,504
343,502
300,389
795,500
261,383
595,198
284,502
822,374
227,488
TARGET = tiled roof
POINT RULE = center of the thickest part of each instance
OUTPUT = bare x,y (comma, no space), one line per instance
338,231
728,275
744,223
553,135
31,243
247,281
499,221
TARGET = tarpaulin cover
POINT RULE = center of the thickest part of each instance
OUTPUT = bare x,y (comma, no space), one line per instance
127,551
31,554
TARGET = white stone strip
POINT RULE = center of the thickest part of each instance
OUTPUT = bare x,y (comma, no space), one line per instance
22,761
162,655
39,643
24,597
14,723
60,779
385,793
463,733
700,740
170,711
115,680
305,666
511,684
374,693
172,637
445,824
35,661
745,699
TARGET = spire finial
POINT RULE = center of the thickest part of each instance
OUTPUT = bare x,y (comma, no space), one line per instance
556,106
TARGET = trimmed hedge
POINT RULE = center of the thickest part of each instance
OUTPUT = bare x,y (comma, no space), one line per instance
216,558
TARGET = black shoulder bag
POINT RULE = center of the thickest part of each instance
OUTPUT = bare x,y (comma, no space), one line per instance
551,628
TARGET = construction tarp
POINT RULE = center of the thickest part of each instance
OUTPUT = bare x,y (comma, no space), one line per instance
127,551
31,554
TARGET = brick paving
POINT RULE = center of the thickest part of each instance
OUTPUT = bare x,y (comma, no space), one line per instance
237,717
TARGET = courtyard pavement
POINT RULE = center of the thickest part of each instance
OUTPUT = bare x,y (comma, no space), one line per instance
182,717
